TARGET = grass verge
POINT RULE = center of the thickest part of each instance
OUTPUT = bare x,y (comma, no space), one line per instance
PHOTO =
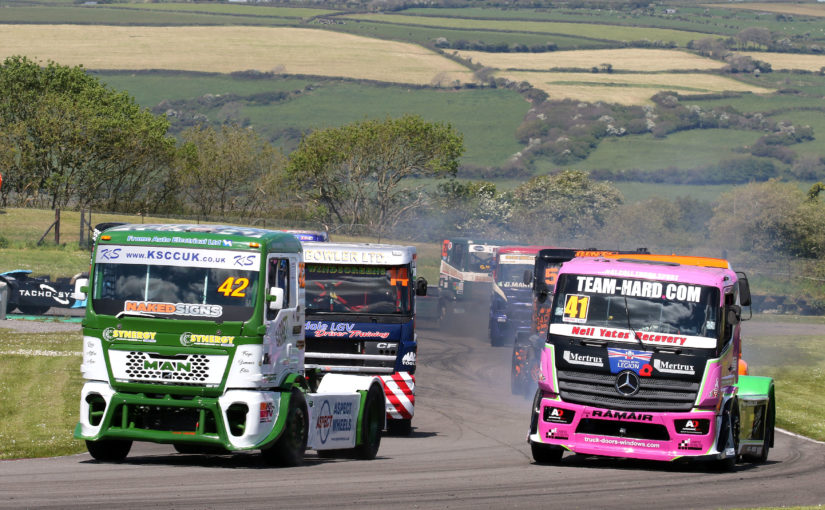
40,386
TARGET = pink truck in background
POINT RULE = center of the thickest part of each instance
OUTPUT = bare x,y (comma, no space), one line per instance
640,361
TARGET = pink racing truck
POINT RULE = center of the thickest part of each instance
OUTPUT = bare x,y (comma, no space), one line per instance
640,361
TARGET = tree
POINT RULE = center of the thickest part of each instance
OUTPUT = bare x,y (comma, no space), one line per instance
771,218
363,173
74,140
228,170
468,208
568,205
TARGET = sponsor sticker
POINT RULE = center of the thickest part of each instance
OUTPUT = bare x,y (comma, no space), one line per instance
112,334
627,359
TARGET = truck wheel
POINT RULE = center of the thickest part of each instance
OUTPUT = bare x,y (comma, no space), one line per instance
546,454
109,450
290,447
730,423
399,427
371,424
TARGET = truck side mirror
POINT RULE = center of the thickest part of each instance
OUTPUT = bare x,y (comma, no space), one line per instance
744,290
81,288
421,286
275,298
527,278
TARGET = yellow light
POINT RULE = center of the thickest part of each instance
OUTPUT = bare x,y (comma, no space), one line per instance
254,245
105,238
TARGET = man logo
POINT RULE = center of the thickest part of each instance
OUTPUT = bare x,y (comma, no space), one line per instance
627,383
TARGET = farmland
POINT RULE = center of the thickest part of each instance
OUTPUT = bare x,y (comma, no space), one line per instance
231,49
288,70
630,59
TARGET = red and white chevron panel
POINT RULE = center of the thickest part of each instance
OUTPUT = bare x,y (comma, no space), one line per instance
399,388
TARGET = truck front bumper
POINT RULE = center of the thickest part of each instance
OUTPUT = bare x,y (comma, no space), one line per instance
641,435
237,420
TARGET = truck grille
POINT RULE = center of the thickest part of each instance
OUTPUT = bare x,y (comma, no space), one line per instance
180,370
655,394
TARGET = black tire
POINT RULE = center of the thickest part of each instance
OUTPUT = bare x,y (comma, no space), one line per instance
730,424
33,310
399,427
289,449
371,424
546,453
109,450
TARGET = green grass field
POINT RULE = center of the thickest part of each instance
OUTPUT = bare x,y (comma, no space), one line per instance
40,386
685,149
489,132
595,31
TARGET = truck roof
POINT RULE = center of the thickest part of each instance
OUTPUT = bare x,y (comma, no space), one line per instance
473,240
650,270
688,260
358,253
200,236
521,250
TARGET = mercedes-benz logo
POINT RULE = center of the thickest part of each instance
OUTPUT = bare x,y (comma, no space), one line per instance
627,383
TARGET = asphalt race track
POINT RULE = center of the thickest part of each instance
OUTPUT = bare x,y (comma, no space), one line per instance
467,450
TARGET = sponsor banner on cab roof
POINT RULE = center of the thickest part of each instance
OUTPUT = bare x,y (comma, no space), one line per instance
183,257
357,255
508,258
626,336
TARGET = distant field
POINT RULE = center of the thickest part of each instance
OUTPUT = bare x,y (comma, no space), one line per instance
229,49
626,88
595,31
806,9
629,59
780,61
685,149
237,9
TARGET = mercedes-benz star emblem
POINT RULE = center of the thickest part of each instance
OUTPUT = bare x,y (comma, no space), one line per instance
627,383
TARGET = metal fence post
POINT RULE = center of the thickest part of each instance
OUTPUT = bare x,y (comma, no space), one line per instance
4,299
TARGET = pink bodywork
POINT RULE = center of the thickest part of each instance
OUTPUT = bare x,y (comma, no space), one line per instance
718,381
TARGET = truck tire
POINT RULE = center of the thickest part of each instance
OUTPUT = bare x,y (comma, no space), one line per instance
730,423
546,454
109,450
399,427
289,449
371,424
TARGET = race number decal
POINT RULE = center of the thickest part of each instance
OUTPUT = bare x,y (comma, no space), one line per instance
234,287
551,274
575,308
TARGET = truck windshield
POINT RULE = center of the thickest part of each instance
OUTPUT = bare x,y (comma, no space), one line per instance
512,275
480,259
652,306
334,288
171,288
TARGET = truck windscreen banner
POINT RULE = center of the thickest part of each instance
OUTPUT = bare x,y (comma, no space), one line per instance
182,257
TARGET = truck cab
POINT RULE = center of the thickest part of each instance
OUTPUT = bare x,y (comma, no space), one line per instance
360,318
640,361
511,302
194,337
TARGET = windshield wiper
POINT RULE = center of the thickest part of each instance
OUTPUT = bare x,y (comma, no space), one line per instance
627,315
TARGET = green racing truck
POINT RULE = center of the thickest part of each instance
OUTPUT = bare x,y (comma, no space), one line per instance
194,336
